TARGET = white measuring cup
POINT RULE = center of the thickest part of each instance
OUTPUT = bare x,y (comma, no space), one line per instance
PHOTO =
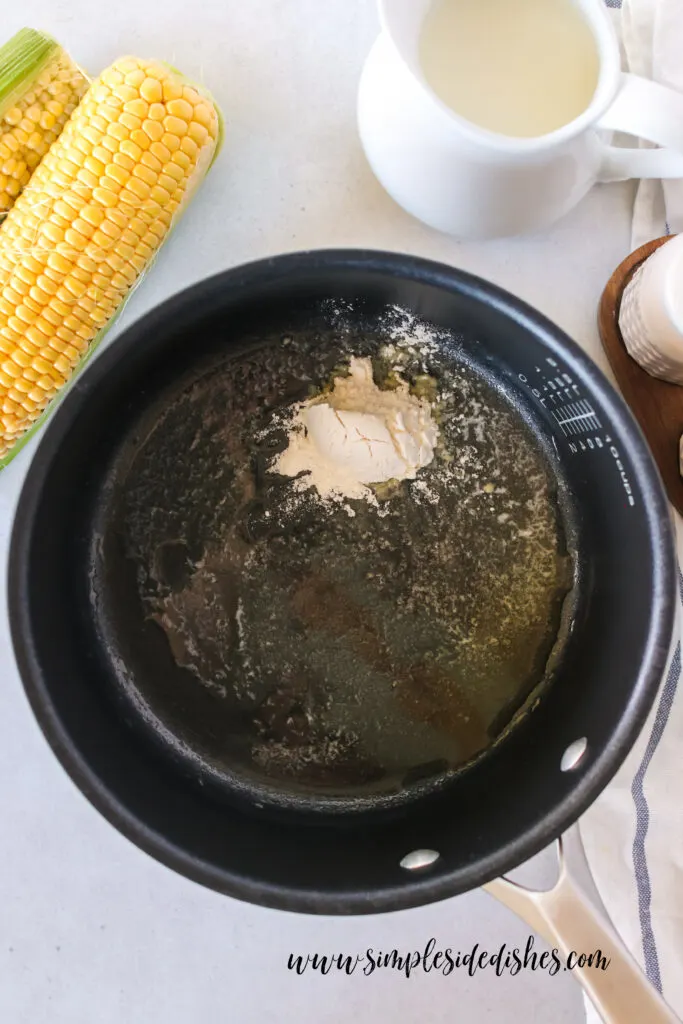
474,183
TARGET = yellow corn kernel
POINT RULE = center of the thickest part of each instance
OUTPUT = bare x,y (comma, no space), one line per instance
124,161
104,197
117,217
198,133
135,78
171,141
182,109
131,149
89,179
136,106
109,112
151,91
125,92
130,121
139,189
140,138
205,114
158,150
189,147
116,173
145,174
153,129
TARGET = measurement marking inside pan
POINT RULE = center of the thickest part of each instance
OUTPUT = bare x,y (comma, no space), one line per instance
582,419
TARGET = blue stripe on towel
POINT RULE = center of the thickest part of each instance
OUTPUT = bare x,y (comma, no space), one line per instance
642,872
613,3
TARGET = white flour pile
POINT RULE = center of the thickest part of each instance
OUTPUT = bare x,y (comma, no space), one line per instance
358,435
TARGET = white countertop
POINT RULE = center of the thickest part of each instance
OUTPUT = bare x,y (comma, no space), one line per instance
91,930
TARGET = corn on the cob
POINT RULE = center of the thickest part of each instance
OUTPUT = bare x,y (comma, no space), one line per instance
40,86
99,205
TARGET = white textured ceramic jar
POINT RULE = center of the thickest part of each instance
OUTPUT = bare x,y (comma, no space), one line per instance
474,183
651,313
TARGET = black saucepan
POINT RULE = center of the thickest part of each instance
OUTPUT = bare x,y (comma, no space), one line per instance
302,767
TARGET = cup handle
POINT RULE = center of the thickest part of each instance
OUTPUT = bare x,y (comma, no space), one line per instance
649,111
568,920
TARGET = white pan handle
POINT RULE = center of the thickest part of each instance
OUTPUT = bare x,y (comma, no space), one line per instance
567,920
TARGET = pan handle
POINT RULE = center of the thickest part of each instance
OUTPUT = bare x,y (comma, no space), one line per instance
567,920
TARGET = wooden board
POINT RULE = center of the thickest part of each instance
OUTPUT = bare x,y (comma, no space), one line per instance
656,404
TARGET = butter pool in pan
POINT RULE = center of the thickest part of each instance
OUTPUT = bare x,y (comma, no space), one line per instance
340,645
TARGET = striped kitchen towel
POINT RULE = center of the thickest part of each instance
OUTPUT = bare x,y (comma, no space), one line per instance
633,837
652,38
633,833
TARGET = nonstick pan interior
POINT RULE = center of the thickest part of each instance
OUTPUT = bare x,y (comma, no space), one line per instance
336,656
127,515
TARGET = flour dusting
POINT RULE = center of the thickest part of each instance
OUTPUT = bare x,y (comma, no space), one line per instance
356,435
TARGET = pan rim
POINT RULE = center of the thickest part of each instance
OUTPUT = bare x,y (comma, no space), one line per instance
422,889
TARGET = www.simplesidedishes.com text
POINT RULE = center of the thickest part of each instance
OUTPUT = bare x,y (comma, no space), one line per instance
445,961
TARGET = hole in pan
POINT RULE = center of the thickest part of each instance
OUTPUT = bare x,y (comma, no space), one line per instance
574,755
419,860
